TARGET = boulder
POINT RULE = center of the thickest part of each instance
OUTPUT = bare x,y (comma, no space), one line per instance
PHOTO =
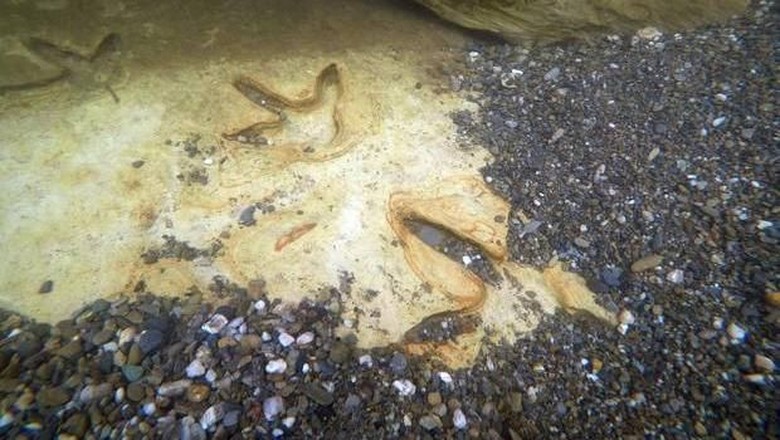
555,20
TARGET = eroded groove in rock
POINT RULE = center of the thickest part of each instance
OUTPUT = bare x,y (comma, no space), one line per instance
468,209
458,250
283,108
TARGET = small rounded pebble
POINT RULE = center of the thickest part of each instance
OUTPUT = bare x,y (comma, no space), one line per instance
405,387
211,416
175,388
676,276
276,366
195,369
198,393
764,363
215,324
646,263
272,407
459,419
149,409
305,338
366,361
46,287
285,339
736,333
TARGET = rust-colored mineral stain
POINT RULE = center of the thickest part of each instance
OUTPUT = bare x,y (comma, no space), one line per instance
294,234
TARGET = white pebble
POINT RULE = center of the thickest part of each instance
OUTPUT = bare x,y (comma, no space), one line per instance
119,395
288,422
272,407
195,369
717,122
405,387
649,33
736,333
126,335
175,388
445,377
215,324
622,328
717,323
277,432
285,339
276,366
6,420
764,363
95,392
210,417
236,322
459,419
466,260
208,161
110,346
260,306
211,376
626,317
305,338
758,379
532,393
366,361
265,336
676,276
305,368
149,408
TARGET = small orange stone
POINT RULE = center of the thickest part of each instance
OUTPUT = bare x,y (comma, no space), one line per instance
198,393
597,365
773,298
225,342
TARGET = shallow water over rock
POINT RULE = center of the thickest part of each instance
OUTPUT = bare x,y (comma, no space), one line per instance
155,147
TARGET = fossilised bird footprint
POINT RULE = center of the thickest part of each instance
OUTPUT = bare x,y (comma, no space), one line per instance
300,129
94,71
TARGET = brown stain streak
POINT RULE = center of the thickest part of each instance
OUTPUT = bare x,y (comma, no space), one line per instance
294,234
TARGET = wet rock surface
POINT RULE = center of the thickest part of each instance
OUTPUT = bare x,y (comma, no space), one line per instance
649,163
